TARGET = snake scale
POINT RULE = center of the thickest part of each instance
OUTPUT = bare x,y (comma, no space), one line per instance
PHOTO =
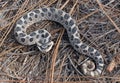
42,38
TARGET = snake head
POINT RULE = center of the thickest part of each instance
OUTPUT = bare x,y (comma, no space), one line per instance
45,47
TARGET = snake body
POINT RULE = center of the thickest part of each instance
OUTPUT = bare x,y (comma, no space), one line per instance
42,38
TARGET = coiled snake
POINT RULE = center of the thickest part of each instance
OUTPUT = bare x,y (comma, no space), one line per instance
42,38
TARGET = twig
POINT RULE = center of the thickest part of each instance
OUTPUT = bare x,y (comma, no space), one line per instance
55,55
72,9
78,21
64,4
101,7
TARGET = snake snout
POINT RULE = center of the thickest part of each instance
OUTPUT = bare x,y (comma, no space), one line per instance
45,47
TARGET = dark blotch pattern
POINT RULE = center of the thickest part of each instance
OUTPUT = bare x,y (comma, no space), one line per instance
19,22
21,34
97,53
22,39
31,39
31,14
25,16
46,35
49,38
33,34
37,36
30,18
42,35
18,29
52,10
44,9
96,58
49,14
36,16
77,35
76,46
61,18
90,49
71,22
37,11
23,27
91,54
16,35
66,16
83,46
76,40
84,51
100,60
41,31
42,14
69,29
60,12
44,41
25,22
40,41
74,30
72,37
66,22
56,16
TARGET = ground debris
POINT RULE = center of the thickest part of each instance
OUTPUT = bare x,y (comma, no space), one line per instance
99,24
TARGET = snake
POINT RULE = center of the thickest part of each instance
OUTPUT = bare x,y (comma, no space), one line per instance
42,38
